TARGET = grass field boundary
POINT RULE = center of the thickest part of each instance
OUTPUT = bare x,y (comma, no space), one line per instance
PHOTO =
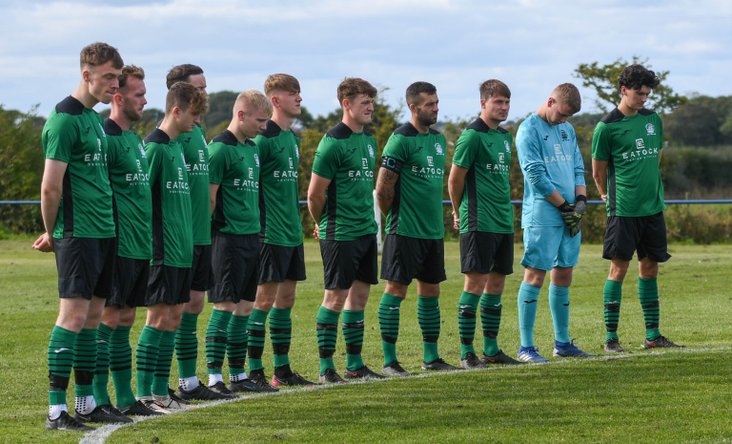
100,434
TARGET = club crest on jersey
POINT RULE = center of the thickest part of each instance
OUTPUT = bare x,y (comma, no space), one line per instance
507,145
371,150
438,149
256,160
650,129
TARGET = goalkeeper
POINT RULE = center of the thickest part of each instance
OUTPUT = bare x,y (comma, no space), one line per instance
553,205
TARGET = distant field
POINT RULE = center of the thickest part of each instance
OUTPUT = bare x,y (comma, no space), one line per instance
676,396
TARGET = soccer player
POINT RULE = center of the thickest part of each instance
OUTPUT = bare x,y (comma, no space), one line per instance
409,192
128,174
234,193
170,274
554,201
282,261
482,212
627,146
341,202
76,205
195,151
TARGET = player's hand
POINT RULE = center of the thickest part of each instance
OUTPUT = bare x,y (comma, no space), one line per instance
570,217
580,204
316,231
455,221
44,243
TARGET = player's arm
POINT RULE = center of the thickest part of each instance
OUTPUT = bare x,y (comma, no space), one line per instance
599,174
534,168
316,196
386,182
456,188
51,189
213,190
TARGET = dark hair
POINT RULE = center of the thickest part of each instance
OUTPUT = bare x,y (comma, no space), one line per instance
181,73
130,71
185,96
99,53
417,88
494,87
350,87
636,76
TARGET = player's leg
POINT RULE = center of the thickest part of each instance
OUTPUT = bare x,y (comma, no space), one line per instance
491,310
148,347
619,244
280,325
327,331
475,263
398,269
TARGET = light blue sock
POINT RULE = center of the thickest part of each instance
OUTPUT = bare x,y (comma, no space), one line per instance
528,297
559,305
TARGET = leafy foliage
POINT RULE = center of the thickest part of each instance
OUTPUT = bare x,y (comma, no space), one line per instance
603,80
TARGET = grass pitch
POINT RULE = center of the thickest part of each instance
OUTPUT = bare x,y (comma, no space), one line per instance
670,396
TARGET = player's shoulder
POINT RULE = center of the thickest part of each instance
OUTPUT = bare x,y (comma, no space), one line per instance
613,116
69,105
157,136
111,128
272,130
406,130
225,138
339,132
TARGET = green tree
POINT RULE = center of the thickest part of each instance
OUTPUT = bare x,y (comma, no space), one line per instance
603,80
21,168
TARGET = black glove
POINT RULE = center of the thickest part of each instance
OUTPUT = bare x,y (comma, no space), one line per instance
572,219
580,204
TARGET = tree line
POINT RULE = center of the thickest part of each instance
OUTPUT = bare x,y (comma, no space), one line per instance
698,130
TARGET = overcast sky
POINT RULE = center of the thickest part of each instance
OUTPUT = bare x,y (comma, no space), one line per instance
532,45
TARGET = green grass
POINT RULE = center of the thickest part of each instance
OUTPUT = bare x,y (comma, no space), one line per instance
674,396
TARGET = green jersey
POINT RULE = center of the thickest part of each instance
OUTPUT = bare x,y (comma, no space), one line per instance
280,156
419,159
171,198
129,176
486,202
74,135
234,166
195,151
347,159
632,146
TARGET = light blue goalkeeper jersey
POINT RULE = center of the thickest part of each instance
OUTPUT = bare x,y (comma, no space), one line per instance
550,159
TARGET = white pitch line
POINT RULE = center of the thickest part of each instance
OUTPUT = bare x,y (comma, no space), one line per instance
100,434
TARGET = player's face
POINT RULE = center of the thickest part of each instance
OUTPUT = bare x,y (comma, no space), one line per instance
557,112
102,81
288,102
253,122
187,120
635,99
361,109
133,98
496,108
427,109
199,81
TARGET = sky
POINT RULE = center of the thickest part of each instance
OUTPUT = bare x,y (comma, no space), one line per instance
532,45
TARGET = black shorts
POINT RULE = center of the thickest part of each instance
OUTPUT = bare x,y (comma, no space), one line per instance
129,284
347,261
85,266
235,267
482,252
626,235
405,258
201,268
278,263
168,285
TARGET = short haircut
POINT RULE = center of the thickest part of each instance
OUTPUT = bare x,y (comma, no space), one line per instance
350,87
568,94
186,96
99,53
130,71
281,82
181,73
493,87
252,100
417,88
636,76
